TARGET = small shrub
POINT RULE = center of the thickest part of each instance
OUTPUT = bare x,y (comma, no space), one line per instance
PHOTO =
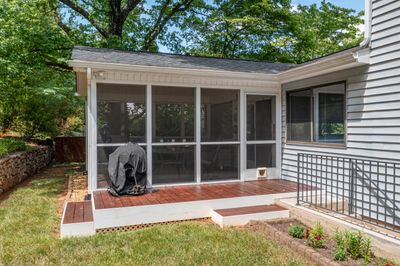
339,254
316,237
297,231
354,244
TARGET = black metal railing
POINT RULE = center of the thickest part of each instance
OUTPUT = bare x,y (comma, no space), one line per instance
363,189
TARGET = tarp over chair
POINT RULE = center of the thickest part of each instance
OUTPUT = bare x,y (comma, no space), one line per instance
127,170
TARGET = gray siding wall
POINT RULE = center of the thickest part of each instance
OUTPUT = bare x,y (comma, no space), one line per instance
373,97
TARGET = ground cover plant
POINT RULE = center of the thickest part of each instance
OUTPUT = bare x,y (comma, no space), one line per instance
345,247
11,145
316,237
297,231
29,221
353,244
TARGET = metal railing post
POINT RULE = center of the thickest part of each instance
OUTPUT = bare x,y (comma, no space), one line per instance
351,191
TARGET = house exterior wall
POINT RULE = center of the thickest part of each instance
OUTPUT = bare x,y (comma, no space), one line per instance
372,98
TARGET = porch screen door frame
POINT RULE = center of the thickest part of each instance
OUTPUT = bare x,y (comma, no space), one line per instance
273,172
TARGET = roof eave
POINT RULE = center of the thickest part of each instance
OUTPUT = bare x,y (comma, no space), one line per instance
80,65
326,65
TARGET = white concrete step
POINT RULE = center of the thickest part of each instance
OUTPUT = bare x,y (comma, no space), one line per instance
243,215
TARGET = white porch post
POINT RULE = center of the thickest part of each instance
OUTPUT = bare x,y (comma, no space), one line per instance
278,101
242,134
149,130
91,132
198,134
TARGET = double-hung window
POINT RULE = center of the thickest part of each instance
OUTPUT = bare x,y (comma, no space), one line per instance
317,115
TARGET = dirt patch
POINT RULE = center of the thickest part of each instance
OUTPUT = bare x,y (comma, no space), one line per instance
77,187
282,225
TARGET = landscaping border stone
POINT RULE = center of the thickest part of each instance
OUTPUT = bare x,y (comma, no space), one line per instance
309,253
18,166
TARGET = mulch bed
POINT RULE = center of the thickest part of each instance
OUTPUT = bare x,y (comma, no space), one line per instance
282,225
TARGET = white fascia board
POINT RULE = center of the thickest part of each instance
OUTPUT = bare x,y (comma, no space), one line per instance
329,65
78,64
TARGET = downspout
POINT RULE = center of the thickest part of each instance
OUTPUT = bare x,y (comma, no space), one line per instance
368,24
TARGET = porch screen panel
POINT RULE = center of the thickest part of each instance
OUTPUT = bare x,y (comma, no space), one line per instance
121,113
219,162
261,131
173,164
219,134
261,117
219,115
261,155
173,114
173,127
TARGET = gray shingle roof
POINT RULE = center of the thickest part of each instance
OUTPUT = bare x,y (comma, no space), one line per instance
176,61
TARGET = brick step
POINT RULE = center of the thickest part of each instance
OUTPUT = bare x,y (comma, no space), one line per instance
243,215
77,219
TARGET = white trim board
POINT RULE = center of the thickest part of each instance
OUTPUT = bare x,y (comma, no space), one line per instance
115,217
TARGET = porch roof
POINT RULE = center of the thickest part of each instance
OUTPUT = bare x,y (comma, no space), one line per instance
112,56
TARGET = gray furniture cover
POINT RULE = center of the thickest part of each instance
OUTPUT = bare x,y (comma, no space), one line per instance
127,170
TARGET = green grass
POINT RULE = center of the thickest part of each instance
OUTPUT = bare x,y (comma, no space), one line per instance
28,222
10,145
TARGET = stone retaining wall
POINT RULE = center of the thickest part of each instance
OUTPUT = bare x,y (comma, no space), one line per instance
16,167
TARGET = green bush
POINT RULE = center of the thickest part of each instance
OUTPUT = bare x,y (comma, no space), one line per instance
316,237
354,243
297,231
45,113
10,145
339,254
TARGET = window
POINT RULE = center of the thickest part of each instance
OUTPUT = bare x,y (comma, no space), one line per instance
317,114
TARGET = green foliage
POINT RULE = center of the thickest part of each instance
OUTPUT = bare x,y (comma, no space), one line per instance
355,244
339,254
11,145
36,85
316,237
297,231
270,30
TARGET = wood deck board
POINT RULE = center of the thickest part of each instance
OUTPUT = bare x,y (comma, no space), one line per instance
249,210
78,212
177,194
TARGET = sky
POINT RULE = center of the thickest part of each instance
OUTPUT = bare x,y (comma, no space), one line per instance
357,5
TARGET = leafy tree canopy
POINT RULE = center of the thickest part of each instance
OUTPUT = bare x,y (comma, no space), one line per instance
273,30
36,38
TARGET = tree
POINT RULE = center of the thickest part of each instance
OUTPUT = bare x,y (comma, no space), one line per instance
270,30
36,85
127,24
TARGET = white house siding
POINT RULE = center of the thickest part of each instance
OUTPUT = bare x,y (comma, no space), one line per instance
373,97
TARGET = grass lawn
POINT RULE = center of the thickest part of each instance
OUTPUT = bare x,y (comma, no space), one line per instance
10,145
29,221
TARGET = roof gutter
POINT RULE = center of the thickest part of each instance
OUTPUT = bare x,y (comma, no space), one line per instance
368,24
